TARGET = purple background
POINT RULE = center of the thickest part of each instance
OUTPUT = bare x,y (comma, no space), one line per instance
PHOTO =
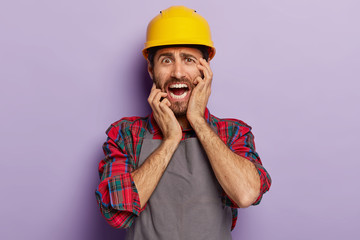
290,69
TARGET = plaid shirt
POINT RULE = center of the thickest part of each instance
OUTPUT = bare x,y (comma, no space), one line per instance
117,195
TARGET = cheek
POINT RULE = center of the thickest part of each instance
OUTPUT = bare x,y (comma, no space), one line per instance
195,72
160,79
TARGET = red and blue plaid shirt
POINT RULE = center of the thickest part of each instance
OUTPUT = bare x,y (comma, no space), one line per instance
117,194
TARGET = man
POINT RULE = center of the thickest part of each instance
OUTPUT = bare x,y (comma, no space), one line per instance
180,173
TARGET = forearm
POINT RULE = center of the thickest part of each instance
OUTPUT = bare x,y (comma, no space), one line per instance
237,176
148,175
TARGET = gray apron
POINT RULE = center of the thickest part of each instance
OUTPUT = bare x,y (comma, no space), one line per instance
186,204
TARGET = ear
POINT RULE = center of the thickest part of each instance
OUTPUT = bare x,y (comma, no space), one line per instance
150,69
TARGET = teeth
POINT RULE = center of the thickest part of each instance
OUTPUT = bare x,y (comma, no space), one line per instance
178,85
178,96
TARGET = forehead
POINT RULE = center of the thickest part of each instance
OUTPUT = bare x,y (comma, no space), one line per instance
177,50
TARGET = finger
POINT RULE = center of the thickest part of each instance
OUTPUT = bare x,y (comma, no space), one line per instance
197,80
199,86
152,92
165,108
157,97
166,101
207,70
206,64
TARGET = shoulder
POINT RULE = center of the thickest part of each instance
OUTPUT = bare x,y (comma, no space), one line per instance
230,125
127,125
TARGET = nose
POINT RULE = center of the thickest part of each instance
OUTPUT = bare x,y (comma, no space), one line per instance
178,70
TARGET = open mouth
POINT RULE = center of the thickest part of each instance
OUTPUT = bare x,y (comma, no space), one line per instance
178,90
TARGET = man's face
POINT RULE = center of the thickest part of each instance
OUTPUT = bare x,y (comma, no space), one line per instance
174,71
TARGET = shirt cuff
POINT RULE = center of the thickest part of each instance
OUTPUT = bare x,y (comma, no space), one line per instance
265,182
123,194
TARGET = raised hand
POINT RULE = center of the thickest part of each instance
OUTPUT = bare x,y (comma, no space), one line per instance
201,93
163,115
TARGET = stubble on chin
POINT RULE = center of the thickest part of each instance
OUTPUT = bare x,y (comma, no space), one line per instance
179,109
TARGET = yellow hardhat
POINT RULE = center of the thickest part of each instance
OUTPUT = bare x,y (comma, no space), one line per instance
178,25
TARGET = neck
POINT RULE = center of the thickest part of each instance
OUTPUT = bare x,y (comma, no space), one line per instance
184,123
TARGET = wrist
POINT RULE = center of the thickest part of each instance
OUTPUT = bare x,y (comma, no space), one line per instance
195,122
172,141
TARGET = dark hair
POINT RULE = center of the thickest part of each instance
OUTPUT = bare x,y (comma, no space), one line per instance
152,51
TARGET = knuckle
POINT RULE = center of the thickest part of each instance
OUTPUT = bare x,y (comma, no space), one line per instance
162,104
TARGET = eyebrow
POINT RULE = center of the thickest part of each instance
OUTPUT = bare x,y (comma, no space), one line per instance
165,55
187,55
183,55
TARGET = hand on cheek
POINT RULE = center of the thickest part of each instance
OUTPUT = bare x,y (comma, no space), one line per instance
201,93
163,115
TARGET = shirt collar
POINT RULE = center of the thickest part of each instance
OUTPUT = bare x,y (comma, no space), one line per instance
154,128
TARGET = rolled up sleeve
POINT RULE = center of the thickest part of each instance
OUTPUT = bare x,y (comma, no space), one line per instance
242,143
116,194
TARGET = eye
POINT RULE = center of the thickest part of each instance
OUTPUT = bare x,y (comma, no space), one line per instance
166,60
189,60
